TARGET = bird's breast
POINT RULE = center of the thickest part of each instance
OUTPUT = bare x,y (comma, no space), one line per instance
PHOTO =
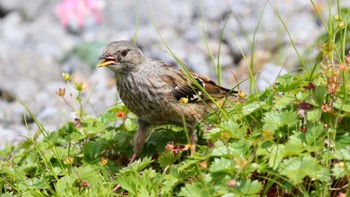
145,97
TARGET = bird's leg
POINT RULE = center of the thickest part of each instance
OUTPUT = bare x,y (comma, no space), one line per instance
139,139
193,138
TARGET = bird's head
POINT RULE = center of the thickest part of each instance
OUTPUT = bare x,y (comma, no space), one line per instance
121,56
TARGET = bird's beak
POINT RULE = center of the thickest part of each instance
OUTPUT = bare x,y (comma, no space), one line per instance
107,60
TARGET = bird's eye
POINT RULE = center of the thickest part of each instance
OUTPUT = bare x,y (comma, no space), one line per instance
124,53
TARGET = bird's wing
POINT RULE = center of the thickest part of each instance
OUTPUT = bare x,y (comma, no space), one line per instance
191,86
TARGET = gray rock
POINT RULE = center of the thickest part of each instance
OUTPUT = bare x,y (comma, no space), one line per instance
28,10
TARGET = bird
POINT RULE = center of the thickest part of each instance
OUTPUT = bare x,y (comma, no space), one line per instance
158,93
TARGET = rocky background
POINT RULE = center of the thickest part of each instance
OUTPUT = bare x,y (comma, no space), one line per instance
41,39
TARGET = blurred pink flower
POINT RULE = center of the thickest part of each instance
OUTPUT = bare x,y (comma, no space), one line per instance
78,12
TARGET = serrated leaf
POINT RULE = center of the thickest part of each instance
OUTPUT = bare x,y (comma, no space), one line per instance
222,165
88,173
294,146
342,154
230,149
275,156
91,151
314,136
92,127
274,120
142,191
64,186
251,107
342,142
319,95
286,83
37,183
168,158
339,169
248,187
213,134
169,183
284,101
196,189
137,165
296,168
314,115
128,181
145,184
341,106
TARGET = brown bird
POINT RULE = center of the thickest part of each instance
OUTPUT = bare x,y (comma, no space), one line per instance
159,93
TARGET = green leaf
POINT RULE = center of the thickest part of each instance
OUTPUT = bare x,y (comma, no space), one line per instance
315,136
296,168
37,183
171,180
230,150
223,165
87,173
341,106
130,125
213,134
342,154
196,189
251,107
91,151
342,142
248,187
286,83
66,186
283,101
319,95
168,158
339,169
294,146
274,120
145,184
128,181
136,166
275,156
314,115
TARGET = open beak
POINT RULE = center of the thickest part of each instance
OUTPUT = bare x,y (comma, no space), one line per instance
107,60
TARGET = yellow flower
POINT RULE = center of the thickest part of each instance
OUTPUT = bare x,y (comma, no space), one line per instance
103,161
341,25
68,161
79,86
66,76
267,135
241,94
337,18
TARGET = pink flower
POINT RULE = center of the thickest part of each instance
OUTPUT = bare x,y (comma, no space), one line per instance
76,12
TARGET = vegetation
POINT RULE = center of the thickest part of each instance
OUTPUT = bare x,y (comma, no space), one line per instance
292,139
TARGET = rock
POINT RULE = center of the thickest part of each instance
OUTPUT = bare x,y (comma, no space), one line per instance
12,30
25,69
29,11
7,96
